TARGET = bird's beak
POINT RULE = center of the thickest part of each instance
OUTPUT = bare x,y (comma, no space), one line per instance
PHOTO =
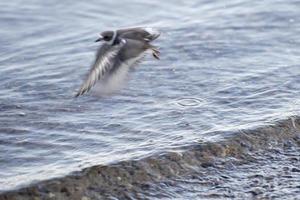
99,39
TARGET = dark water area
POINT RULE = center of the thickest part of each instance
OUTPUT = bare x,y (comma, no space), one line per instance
225,67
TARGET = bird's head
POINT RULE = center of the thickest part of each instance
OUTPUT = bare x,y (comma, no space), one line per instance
106,36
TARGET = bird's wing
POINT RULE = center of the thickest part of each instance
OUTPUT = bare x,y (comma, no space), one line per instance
103,63
142,33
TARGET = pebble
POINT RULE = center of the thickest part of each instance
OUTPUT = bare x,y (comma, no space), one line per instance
51,195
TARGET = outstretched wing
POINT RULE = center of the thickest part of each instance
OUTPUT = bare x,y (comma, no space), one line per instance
139,33
105,60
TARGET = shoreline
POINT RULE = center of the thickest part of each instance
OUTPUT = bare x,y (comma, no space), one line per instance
129,179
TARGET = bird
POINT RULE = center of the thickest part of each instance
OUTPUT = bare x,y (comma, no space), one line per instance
120,51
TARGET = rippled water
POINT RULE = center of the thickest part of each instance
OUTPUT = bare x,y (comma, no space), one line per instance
225,65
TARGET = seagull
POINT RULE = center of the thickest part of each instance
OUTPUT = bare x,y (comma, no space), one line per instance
121,50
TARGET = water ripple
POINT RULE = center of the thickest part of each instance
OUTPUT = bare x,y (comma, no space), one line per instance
224,65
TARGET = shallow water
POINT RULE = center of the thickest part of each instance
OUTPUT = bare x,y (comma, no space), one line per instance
272,174
224,66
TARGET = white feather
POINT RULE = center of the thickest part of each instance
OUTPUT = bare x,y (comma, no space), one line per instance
114,82
152,31
99,69
113,38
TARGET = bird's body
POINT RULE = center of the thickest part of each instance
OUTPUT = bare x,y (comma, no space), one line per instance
121,50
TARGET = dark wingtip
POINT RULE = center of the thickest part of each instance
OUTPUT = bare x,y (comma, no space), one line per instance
77,94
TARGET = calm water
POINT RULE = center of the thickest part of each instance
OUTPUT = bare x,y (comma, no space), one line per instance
225,65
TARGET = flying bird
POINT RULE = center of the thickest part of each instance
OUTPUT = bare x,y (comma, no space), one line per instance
121,50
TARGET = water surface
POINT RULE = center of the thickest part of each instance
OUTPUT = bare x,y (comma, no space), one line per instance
224,66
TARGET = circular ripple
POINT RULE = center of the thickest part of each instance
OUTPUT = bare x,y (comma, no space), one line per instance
190,102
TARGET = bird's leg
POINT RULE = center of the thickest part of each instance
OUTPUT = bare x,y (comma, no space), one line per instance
155,51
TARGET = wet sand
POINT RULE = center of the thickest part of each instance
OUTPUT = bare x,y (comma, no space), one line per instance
263,163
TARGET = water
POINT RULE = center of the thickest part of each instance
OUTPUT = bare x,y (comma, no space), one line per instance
224,66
